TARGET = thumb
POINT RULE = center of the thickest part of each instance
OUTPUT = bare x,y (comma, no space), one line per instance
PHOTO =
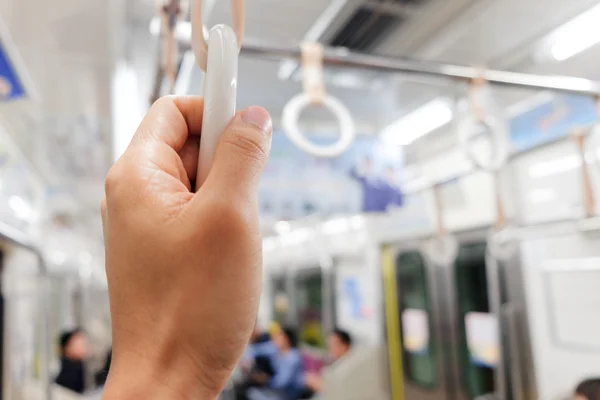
242,153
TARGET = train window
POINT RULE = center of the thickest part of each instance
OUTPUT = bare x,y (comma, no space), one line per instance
280,300
309,300
473,310
414,305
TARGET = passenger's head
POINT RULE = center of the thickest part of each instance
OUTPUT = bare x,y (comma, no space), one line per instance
73,345
588,390
339,344
285,339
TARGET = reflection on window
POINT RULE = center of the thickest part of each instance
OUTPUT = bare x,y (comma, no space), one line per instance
309,300
415,310
473,306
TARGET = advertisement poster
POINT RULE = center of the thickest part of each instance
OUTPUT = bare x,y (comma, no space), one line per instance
415,331
11,87
482,338
551,120
365,178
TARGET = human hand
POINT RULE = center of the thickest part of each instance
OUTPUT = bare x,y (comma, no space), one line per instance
183,268
312,381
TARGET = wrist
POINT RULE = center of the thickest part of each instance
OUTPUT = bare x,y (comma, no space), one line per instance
146,380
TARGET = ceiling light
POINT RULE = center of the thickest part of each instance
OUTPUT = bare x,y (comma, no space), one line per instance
577,35
419,123
554,166
283,227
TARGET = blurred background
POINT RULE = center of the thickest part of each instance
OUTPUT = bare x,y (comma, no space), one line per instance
449,252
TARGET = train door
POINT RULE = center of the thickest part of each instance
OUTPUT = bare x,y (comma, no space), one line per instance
483,311
415,342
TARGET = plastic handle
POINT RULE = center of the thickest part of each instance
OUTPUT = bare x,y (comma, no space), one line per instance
220,94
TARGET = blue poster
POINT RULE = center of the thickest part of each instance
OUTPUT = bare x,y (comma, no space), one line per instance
11,87
353,297
553,119
366,178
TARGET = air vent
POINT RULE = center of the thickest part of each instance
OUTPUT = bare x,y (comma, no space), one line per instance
372,22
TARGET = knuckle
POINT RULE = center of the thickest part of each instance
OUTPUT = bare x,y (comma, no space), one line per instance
112,180
231,217
248,144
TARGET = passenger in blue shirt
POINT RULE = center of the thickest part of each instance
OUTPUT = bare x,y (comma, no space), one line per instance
288,381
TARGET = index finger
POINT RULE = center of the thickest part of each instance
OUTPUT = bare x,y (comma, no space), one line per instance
171,120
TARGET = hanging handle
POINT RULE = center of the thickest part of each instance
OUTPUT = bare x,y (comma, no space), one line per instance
219,58
442,249
315,95
200,47
480,113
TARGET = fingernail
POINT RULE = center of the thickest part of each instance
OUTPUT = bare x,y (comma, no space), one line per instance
258,117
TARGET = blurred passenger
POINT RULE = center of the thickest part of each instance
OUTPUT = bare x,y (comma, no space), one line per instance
588,390
286,383
338,345
73,352
257,360
102,375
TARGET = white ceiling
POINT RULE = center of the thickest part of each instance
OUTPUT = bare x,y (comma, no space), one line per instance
71,47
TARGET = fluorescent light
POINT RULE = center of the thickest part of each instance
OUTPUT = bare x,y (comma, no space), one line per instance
419,123
537,196
282,227
577,35
554,166
21,209
336,226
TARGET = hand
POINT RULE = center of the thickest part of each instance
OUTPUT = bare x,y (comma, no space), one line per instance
312,381
259,377
183,268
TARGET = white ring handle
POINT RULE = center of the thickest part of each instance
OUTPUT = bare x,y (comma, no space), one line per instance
500,245
469,128
220,94
442,250
199,44
291,116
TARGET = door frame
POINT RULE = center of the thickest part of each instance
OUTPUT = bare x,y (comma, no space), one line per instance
404,388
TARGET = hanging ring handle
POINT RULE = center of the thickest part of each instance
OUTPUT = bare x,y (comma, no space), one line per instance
219,58
315,95
200,46
500,245
442,249
469,128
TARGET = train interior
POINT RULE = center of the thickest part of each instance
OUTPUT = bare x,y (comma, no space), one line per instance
437,201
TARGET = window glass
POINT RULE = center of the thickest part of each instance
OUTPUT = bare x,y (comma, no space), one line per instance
414,306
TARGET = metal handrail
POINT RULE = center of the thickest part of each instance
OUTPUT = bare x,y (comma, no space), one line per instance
22,240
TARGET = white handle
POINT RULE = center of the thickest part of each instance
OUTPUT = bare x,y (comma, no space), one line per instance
291,116
220,94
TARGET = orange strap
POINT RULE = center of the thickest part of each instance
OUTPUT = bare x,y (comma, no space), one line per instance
586,183
312,72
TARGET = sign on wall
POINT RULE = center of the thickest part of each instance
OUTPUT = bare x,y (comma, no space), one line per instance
552,119
366,178
11,85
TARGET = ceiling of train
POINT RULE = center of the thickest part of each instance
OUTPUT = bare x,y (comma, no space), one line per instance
71,49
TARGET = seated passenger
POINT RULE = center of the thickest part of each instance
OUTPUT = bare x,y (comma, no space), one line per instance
73,352
588,390
339,345
257,360
286,383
